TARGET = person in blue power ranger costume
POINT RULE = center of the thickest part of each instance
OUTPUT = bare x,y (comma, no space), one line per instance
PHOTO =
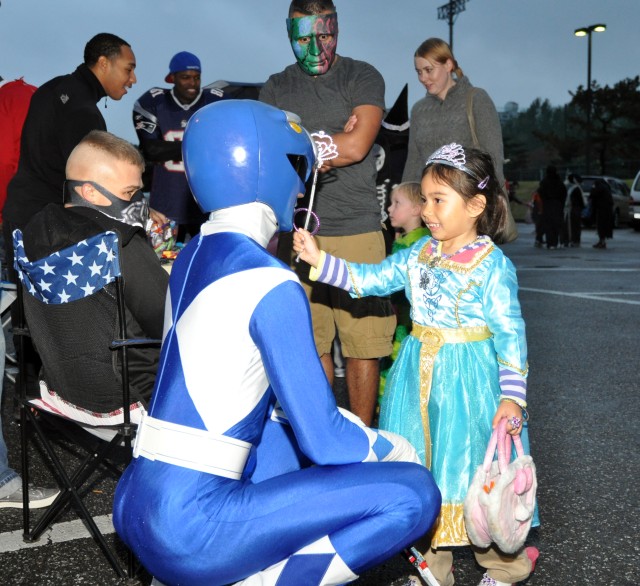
245,471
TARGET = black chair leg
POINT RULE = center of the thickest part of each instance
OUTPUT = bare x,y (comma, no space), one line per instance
70,486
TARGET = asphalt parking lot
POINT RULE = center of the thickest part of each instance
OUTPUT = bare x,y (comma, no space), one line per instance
582,308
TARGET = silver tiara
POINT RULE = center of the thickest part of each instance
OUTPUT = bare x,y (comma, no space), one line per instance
453,155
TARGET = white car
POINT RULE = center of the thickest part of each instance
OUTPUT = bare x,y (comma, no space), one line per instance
635,203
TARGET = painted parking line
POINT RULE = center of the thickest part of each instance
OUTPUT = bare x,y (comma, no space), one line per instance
579,269
59,533
608,297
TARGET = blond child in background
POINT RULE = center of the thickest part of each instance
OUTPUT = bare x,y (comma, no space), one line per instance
405,217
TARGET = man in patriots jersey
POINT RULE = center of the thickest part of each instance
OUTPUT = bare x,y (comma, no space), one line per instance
102,192
245,471
160,117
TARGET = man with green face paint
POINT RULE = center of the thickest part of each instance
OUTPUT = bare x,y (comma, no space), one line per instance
345,99
314,40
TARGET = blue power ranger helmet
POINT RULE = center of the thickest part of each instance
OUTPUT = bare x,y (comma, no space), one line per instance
242,151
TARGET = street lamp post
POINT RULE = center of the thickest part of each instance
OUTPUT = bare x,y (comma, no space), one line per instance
448,12
586,32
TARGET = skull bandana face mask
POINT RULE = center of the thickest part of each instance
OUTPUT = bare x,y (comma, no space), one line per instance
134,212
314,40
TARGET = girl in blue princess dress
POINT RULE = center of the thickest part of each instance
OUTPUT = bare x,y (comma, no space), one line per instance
464,366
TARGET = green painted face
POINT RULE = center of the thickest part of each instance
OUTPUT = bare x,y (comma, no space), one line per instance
314,40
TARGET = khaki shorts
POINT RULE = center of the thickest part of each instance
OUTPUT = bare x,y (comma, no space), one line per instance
365,326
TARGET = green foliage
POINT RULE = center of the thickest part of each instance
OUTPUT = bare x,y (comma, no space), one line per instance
543,134
615,120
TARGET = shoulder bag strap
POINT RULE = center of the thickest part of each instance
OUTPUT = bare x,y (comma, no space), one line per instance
470,117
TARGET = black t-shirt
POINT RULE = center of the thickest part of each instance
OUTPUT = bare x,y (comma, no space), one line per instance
576,198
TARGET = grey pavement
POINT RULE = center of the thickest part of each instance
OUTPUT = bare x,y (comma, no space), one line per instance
582,309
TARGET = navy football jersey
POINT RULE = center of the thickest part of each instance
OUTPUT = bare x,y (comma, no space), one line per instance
158,115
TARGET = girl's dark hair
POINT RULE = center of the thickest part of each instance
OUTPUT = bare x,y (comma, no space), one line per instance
311,7
103,44
493,219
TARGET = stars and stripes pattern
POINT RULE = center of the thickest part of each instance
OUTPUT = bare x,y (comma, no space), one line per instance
69,274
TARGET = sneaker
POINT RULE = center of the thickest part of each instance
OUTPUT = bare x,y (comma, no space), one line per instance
38,498
411,581
489,581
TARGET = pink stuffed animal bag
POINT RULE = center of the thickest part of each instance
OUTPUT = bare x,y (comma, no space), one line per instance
501,499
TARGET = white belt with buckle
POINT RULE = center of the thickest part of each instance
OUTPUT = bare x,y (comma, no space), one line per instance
189,447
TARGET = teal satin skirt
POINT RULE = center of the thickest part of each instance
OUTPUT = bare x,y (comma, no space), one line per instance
462,402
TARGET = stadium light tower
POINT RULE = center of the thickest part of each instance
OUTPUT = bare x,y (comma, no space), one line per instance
586,32
448,12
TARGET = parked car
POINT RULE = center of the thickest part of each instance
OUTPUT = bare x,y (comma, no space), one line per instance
635,203
621,198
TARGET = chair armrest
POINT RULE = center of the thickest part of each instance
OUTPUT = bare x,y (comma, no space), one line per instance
115,344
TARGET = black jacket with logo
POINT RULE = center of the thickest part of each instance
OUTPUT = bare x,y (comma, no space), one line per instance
62,112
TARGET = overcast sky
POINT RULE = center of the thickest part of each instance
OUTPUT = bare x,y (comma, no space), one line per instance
517,50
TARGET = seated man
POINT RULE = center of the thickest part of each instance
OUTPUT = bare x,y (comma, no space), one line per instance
102,192
245,469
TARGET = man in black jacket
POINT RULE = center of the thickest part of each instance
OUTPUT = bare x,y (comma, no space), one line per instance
62,111
102,192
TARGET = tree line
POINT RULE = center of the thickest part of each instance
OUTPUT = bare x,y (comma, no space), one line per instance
543,134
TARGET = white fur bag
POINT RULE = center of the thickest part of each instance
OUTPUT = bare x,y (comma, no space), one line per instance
501,499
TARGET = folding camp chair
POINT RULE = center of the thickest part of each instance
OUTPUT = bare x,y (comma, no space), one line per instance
51,293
